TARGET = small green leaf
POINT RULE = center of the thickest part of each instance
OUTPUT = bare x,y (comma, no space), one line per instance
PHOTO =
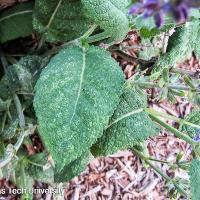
193,117
149,50
21,77
75,96
181,44
128,126
165,74
10,131
37,171
195,179
24,181
148,28
16,22
110,15
188,81
60,20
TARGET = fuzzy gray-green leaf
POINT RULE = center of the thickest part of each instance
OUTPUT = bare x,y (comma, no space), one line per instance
75,96
59,20
16,22
128,126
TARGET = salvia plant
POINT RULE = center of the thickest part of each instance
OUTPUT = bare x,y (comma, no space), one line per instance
72,94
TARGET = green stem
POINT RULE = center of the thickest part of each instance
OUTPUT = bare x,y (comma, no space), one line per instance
98,37
35,164
167,178
72,42
170,86
165,115
89,32
176,132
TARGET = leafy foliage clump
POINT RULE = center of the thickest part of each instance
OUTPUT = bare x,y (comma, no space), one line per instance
70,92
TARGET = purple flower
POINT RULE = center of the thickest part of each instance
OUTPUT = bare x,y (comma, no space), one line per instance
197,138
179,9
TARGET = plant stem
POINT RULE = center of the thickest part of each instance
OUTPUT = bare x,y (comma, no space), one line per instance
146,159
72,42
170,86
165,115
176,132
89,32
11,150
98,37
35,164
193,74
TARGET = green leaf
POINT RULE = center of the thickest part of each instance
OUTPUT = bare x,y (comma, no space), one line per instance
24,181
21,76
60,20
10,131
128,126
39,173
193,117
149,50
181,44
148,28
110,15
195,179
73,169
16,22
75,96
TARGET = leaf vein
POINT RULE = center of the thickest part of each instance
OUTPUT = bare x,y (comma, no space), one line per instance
80,84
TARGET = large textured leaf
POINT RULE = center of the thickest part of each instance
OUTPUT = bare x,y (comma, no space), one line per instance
181,44
75,96
73,169
110,15
16,22
193,117
129,124
195,179
59,20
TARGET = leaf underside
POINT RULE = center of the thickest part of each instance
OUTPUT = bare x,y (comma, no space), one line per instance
75,96
16,22
129,125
